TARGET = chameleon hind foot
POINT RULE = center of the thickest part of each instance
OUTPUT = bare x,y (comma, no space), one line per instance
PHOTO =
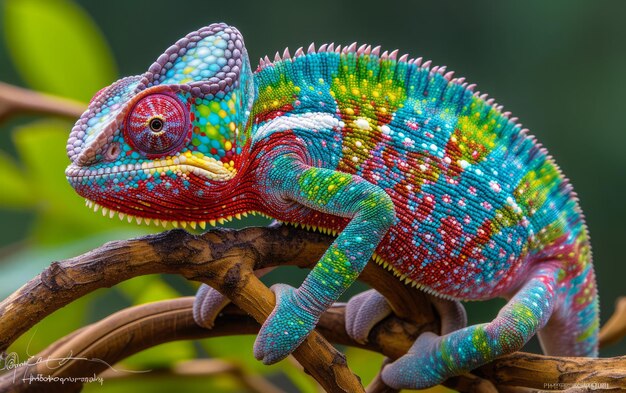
363,312
434,358
207,305
209,302
411,371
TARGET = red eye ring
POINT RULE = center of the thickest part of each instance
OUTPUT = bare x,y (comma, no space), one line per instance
157,125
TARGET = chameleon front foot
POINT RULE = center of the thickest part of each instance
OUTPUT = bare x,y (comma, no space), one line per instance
363,312
286,327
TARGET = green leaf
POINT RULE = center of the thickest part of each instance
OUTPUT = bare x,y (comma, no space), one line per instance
15,192
57,47
364,363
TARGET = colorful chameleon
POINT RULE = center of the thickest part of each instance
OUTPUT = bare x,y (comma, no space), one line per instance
403,162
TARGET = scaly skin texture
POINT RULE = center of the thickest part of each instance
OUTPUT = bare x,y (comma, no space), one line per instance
404,163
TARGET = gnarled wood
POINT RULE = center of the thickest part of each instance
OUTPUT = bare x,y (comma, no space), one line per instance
134,329
221,258
225,259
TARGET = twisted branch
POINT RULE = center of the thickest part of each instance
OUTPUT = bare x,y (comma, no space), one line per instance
137,328
225,259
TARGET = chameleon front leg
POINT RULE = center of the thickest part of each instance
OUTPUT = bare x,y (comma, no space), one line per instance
432,359
371,211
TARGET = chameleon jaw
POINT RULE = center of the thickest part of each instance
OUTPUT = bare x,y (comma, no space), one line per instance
106,211
88,181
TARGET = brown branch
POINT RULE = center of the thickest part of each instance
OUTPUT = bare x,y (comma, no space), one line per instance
222,258
15,100
134,329
225,259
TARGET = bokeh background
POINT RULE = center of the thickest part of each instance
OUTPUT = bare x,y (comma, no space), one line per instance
559,66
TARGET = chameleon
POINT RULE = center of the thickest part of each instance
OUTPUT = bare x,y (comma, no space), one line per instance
406,164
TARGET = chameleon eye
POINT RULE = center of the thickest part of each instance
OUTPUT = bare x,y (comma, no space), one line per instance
157,125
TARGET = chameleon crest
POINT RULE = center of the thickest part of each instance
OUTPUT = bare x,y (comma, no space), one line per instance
402,161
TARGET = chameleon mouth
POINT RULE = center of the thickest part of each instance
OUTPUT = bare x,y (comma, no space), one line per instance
107,211
207,168
134,199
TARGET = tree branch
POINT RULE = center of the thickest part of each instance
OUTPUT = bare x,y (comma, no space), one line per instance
225,259
15,100
137,328
222,258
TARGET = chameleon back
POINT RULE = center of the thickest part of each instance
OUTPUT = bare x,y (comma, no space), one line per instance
477,199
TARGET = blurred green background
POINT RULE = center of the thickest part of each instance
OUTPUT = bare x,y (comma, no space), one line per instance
558,66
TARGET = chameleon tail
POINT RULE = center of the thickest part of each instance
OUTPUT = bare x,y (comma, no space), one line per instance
573,328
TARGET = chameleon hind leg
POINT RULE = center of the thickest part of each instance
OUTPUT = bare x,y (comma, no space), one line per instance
432,358
573,328
371,212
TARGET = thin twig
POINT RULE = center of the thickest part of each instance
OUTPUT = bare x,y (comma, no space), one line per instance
15,100
615,328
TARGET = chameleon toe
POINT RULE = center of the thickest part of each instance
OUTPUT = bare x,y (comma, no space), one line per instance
416,369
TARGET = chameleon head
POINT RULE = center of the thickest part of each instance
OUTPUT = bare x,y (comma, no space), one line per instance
166,144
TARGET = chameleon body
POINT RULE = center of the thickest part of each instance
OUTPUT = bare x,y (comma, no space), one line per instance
403,162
